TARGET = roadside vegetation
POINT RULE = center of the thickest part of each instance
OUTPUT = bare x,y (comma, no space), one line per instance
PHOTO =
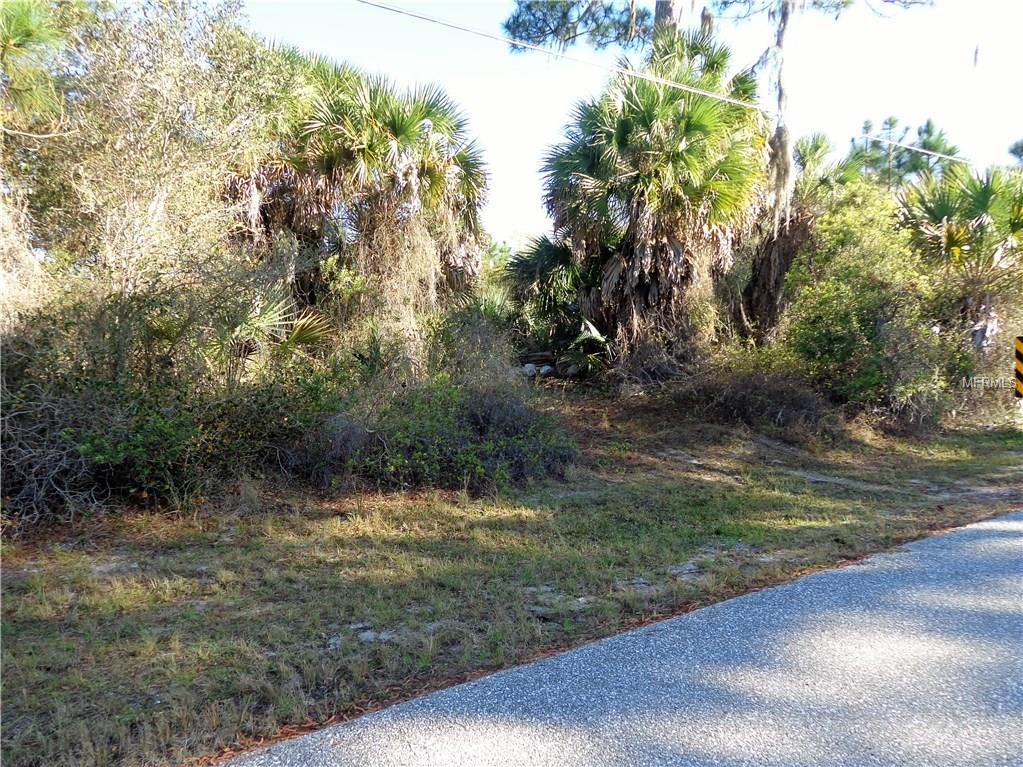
256,263
138,638
285,434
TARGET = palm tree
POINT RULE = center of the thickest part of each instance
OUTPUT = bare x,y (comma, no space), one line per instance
548,281
775,249
969,226
363,160
652,182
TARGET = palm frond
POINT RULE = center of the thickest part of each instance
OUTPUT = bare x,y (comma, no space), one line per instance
307,329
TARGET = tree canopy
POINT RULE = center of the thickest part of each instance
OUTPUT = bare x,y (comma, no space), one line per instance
562,23
892,164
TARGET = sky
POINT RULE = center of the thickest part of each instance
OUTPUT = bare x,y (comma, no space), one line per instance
956,62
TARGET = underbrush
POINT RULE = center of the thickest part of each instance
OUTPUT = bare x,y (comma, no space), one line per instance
69,449
758,393
378,407
447,436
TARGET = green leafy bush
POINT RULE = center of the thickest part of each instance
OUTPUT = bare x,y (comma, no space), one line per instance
146,452
68,450
442,435
858,325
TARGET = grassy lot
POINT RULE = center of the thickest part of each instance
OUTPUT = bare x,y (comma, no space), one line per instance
144,639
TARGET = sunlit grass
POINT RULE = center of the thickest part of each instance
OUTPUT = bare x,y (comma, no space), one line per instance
147,638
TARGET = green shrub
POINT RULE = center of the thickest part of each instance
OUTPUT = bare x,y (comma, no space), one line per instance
72,443
858,325
442,435
143,453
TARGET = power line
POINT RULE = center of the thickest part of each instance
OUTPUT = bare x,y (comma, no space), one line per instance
921,150
551,52
621,70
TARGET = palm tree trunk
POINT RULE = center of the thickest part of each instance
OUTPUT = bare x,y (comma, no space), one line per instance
763,297
668,13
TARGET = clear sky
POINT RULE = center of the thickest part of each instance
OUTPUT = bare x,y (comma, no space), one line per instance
958,62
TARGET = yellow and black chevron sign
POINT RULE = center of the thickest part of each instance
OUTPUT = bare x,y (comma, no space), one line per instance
1019,366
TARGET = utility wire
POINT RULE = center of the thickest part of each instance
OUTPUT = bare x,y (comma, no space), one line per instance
622,71
921,150
551,52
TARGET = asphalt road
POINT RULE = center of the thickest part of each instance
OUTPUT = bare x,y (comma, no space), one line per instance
913,657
